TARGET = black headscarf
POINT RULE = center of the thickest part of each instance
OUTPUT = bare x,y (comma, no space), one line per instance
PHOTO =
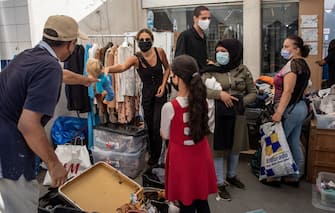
235,50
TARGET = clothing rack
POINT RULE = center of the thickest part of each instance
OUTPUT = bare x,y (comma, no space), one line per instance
91,117
115,36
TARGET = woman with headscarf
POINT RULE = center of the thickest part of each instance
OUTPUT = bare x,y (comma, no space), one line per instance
230,131
330,60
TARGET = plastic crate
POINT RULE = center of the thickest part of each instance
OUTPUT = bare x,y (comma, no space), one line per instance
131,164
323,121
327,198
106,139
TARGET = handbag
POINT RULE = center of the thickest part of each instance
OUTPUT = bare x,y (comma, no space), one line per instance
75,159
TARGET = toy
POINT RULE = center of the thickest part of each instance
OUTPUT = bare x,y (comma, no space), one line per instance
104,85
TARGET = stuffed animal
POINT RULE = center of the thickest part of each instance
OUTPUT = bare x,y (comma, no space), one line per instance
104,85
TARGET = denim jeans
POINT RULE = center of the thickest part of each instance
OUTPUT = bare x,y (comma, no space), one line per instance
219,164
292,124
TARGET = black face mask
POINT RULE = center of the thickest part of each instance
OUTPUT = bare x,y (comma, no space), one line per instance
144,45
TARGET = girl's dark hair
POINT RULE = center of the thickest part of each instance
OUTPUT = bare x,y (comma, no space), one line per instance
187,69
144,30
304,49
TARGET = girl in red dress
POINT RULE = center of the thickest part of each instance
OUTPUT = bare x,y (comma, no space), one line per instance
189,169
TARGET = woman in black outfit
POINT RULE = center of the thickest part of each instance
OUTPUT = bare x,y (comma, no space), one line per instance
330,60
149,63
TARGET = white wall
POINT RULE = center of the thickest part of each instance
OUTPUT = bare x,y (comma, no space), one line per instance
40,10
14,28
115,17
252,30
169,3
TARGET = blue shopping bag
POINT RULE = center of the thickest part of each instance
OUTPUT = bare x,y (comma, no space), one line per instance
66,129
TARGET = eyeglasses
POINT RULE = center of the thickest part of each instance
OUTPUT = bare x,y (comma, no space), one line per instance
145,39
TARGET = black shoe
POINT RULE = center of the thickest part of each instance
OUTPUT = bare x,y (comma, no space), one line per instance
273,183
236,182
162,207
223,194
291,182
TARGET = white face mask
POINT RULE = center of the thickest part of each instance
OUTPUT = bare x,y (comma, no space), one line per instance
204,24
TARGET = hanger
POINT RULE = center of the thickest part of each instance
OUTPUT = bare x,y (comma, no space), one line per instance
125,42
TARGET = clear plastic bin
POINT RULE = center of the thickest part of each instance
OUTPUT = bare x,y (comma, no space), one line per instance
108,140
327,197
316,200
131,164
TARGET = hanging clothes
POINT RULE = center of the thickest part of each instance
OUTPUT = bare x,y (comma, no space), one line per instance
77,95
109,61
91,121
127,78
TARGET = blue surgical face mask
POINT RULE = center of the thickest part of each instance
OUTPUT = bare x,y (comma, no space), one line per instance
285,54
222,58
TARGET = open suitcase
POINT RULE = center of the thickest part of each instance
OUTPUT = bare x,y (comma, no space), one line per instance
100,188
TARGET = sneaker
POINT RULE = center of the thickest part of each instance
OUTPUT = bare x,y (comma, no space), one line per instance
274,182
236,182
223,194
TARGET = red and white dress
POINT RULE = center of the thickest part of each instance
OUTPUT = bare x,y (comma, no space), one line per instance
189,168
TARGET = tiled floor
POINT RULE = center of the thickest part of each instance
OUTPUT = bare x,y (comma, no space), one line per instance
285,199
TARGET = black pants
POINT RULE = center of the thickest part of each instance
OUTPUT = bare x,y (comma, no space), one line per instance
331,75
152,107
199,206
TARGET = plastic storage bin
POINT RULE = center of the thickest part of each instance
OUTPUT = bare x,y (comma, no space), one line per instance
316,200
327,198
119,138
131,164
323,121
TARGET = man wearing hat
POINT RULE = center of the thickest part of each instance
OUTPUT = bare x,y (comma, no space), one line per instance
29,91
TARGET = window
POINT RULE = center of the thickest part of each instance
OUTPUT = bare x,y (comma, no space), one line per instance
278,21
329,28
226,22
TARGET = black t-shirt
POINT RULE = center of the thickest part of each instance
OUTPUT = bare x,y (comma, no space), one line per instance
330,59
301,69
32,80
190,43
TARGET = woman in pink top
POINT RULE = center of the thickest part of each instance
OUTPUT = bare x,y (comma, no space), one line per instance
290,83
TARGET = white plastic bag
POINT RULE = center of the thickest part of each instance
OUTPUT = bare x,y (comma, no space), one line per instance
277,159
327,104
75,159
211,83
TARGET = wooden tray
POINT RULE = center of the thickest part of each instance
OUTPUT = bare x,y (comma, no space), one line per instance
100,188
